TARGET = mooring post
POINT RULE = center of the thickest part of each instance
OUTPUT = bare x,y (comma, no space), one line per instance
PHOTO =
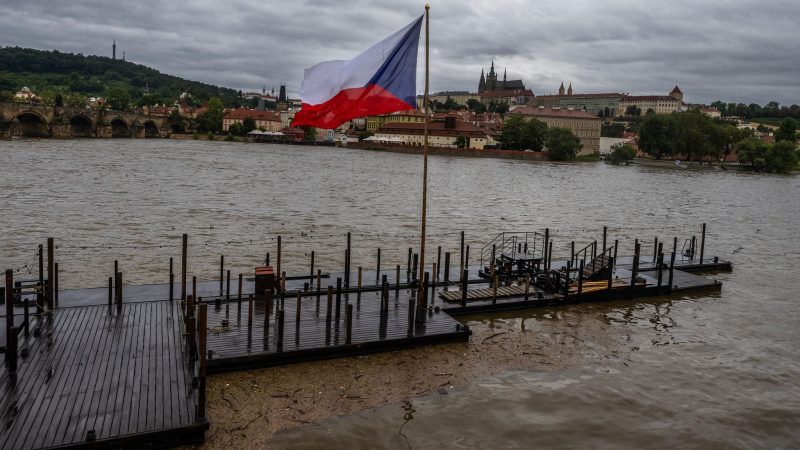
297,317
12,345
411,309
347,266
202,325
118,284
329,305
55,283
110,291
466,260
278,258
572,251
545,263
655,249
378,267
250,311
415,267
349,324
659,264
319,283
550,255
311,274
694,246
171,286
408,269
671,270
420,314
338,299
635,266
268,301
50,273
438,263
461,257
385,293
239,291
426,283
566,279
194,286
447,268
9,294
434,271
184,248
358,291
464,281
221,273
26,315
702,243
190,329
605,235
527,285
227,286
40,287
611,261
397,282
616,246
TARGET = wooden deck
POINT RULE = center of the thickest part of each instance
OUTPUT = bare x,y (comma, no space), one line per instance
241,345
95,377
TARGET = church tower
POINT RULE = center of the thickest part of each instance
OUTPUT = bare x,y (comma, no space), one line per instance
561,89
481,83
491,79
569,90
504,78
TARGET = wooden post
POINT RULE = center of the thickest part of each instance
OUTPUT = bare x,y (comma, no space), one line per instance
634,267
546,263
659,264
227,286
40,287
466,260
250,311
239,291
349,324
397,281
311,274
9,293
434,271
338,299
464,280
184,248
616,246
408,269
319,283
655,249
447,268
378,268
55,283
594,249
611,261
580,280
426,283
703,243
26,315
283,283
11,351
118,286
297,318
194,286
329,305
50,273
605,234
347,265
110,291
671,270
202,325
171,286
415,267
461,267
438,263
572,251
190,328
221,273
278,259
550,255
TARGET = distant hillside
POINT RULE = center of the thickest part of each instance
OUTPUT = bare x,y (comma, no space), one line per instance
49,72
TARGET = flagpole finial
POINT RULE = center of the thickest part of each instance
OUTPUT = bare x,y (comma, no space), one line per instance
427,6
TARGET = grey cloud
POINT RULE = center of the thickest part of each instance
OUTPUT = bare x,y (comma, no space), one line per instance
737,51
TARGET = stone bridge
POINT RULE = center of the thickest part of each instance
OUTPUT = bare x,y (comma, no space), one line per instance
30,120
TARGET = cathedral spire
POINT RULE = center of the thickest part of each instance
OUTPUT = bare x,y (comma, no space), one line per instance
481,83
561,89
569,89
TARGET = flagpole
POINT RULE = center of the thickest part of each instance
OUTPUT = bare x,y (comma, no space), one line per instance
420,278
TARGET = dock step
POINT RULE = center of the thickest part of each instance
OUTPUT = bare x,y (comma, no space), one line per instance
485,293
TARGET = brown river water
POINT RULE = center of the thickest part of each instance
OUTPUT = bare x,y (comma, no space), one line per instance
703,371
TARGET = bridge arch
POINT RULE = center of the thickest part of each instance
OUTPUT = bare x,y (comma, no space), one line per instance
151,129
81,126
120,128
30,123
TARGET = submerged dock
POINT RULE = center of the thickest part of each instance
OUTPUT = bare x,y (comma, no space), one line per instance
114,368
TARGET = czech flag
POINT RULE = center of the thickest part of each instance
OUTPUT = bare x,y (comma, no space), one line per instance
379,81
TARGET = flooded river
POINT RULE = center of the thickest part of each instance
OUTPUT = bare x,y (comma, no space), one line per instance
705,371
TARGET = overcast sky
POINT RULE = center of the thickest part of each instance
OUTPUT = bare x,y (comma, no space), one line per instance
736,50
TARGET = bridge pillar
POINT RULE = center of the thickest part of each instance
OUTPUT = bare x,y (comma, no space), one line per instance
104,130
5,130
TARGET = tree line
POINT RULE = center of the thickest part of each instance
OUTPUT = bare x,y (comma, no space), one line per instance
520,134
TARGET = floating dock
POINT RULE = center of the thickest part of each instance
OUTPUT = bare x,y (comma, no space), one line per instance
107,368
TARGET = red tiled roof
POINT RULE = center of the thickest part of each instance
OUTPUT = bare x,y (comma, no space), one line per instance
676,90
552,112
255,114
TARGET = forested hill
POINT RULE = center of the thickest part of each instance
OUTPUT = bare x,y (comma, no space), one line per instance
50,72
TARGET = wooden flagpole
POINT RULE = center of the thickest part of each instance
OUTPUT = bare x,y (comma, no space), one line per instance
420,278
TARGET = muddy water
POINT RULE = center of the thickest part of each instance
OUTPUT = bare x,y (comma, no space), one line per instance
707,371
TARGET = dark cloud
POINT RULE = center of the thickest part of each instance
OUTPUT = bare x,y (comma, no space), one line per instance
737,51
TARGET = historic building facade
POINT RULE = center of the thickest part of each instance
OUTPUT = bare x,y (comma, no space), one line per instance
659,104
584,125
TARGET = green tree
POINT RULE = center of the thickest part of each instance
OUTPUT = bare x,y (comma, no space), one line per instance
476,106
501,108
562,144
118,98
633,110
519,134
235,129
752,151
782,157
614,130
176,121
462,141
694,134
75,100
621,154
211,119
656,135
787,131
248,125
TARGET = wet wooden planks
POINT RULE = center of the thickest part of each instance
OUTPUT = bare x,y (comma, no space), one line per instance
487,293
120,377
313,337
